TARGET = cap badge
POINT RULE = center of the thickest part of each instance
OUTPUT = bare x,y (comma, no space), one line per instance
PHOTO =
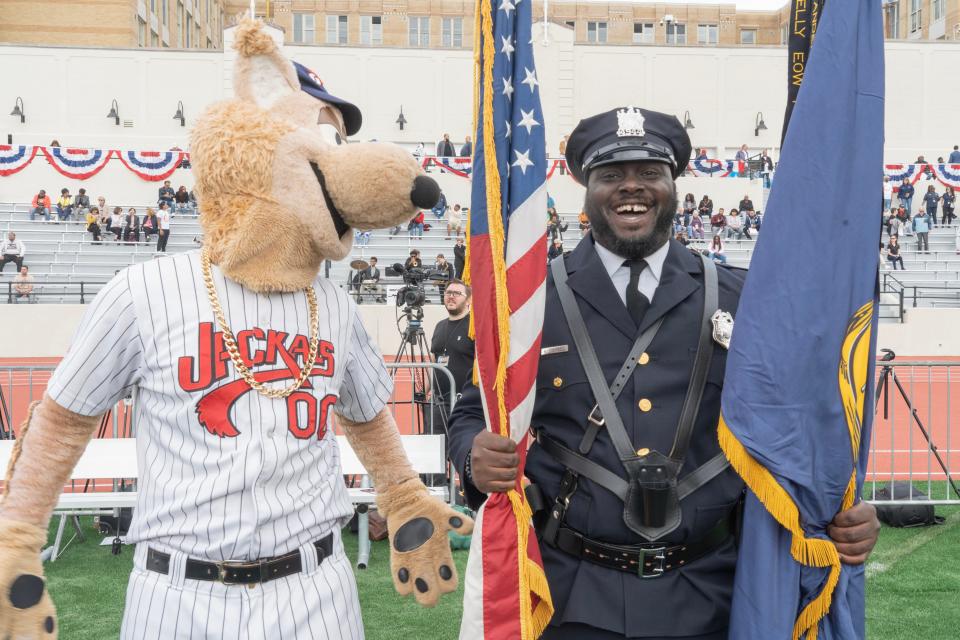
630,122
722,328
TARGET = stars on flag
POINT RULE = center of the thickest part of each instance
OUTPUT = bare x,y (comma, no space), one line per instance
508,87
507,47
527,120
507,7
530,79
523,161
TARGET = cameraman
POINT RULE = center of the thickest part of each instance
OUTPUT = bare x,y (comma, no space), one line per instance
452,347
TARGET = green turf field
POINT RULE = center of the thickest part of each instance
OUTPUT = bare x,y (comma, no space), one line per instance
912,586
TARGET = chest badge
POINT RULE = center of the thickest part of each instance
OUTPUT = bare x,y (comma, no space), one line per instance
722,328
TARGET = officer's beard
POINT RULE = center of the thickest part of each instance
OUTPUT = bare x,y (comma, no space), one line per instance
637,247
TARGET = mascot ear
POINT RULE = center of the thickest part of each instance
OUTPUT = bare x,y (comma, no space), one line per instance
261,74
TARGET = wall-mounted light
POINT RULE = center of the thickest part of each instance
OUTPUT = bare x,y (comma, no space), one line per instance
687,122
400,119
179,114
18,110
759,124
114,112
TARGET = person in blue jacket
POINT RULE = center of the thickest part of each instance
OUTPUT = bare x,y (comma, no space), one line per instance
905,194
930,199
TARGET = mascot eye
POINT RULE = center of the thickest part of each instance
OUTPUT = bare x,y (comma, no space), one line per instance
330,134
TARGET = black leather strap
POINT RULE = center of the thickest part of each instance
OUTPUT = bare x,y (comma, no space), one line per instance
701,363
646,560
252,572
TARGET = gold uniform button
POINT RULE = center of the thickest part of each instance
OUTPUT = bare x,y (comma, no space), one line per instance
645,405
558,381
642,452
644,358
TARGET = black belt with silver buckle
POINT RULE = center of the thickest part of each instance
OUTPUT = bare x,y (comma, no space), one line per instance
646,560
251,572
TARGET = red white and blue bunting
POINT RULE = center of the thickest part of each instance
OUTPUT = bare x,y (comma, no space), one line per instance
82,164
946,174
151,165
13,159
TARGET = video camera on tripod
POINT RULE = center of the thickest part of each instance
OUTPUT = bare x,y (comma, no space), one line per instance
413,295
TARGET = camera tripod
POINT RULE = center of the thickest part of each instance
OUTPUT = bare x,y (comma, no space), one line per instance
883,385
431,416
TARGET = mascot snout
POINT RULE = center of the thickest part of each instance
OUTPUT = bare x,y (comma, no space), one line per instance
426,192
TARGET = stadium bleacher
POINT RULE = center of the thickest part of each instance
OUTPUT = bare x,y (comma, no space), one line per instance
63,258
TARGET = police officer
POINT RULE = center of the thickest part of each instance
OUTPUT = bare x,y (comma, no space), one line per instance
635,505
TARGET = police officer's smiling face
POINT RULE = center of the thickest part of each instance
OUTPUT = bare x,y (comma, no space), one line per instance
631,206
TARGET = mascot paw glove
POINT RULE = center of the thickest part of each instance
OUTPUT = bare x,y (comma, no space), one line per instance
420,558
26,610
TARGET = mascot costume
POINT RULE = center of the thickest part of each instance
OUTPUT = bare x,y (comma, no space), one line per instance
239,352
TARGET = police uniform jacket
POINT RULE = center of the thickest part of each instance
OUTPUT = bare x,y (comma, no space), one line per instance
689,602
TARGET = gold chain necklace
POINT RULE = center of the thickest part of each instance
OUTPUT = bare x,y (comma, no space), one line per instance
231,343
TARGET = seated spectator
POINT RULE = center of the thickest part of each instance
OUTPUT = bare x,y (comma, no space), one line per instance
584,221
444,269
746,204
115,226
361,238
93,224
102,205
166,194
150,224
81,203
681,237
893,253
454,222
193,203
413,262
696,227
131,226
555,228
440,208
718,221
706,206
751,223
734,225
415,227
64,205
13,251
368,282
556,249
22,285
715,252
182,200
40,205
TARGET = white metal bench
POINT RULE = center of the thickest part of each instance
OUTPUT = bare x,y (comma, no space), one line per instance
116,459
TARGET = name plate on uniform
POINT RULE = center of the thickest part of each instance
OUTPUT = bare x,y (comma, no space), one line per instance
549,351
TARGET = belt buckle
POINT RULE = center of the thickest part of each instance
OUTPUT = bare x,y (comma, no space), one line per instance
236,567
597,421
659,561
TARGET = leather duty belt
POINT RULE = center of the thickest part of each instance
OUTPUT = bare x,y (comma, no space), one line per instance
246,573
645,560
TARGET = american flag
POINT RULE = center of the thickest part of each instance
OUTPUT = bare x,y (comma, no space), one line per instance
506,595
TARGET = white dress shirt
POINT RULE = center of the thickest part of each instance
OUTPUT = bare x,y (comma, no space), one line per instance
620,274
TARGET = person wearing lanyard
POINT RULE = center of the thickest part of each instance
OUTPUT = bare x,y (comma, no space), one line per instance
452,347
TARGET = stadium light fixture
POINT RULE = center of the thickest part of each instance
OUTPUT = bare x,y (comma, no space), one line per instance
400,119
687,122
179,114
114,112
18,110
759,124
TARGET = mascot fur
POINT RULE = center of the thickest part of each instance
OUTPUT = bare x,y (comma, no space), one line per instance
279,195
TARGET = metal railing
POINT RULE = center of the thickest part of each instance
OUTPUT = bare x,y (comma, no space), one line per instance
83,291
942,291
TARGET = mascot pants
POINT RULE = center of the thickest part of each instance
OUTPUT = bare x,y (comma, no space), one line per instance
319,603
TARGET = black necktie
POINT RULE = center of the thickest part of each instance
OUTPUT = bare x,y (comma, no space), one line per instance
637,303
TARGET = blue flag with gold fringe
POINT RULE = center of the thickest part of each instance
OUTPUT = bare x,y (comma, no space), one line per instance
797,400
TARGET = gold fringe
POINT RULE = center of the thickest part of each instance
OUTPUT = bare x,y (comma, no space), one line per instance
532,577
810,552
17,448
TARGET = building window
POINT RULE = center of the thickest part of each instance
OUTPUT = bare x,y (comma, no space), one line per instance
676,33
154,39
163,10
452,32
209,43
938,10
571,23
748,36
892,13
597,32
707,33
419,31
304,28
371,29
153,6
141,32
189,31
783,34
915,15
180,23
642,33
336,29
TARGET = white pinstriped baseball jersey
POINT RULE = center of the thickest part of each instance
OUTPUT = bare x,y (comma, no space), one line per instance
225,473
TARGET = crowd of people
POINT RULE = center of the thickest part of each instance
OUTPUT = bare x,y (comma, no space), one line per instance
935,210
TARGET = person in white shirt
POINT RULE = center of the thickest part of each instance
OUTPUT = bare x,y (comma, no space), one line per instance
163,218
13,251
887,193
734,225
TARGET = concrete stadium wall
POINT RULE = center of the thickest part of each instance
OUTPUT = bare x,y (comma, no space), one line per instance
67,91
45,331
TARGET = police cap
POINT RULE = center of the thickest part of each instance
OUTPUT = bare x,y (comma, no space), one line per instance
627,134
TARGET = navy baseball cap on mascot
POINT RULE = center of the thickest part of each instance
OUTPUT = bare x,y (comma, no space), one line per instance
627,134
